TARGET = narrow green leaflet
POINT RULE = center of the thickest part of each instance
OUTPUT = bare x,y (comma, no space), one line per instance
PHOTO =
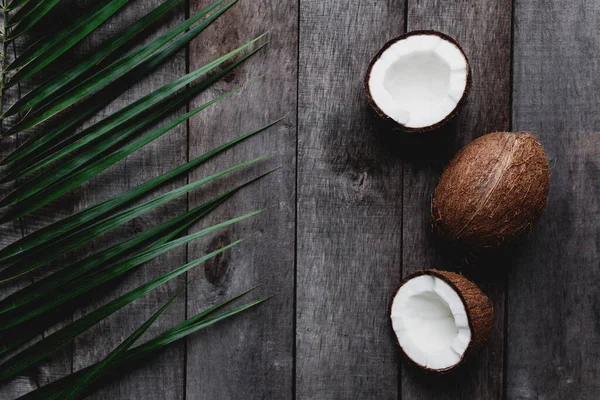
100,276
52,282
94,141
57,83
49,49
64,127
81,219
15,18
155,236
113,129
151,238
50,251
45,286
68,275
82,382
40,350
57,189
119,68
30,19
131,358
15,4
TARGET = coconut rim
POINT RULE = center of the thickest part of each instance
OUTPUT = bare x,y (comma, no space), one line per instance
450,115
440,275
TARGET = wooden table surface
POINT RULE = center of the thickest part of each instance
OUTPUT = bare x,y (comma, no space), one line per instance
349,209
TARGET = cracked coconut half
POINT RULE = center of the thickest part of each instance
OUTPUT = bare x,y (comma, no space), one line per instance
440,319
419,80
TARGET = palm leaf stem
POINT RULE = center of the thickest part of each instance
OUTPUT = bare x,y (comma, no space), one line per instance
4,34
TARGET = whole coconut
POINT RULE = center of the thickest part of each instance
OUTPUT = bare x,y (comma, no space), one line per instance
492,191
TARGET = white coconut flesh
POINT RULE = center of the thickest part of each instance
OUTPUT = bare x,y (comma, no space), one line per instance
430,322
419,80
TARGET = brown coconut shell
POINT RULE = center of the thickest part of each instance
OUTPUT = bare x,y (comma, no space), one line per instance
394,124
493,191
479,308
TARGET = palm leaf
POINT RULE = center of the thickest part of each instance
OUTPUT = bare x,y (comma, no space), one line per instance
81,219
151,238
82,382
45,51
108,273
22,12
131,358
54,190
52,250
114,128
148,239
50,344
73,118
73,158
142,58
67,275
16,4
26,19
157,235
59,82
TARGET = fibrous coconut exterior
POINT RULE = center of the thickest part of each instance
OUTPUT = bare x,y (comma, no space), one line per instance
493,190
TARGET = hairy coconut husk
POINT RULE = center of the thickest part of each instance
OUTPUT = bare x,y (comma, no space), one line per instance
479,308
493,190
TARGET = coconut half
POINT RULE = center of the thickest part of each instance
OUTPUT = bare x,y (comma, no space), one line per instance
419,80
440,318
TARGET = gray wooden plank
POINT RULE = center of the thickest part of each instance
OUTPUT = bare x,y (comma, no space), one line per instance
250,356
554,335
349,207
162,377
483,28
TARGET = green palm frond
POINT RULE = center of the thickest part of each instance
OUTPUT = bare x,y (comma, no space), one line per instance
142,61
28,16
132,358
118,126
156,236
85,380
50,48
16,4
74,223
53,342
58,156
57,83
50,251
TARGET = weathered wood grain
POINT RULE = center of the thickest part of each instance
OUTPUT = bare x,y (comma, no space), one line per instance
349,207
554,335
483,28
250,356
